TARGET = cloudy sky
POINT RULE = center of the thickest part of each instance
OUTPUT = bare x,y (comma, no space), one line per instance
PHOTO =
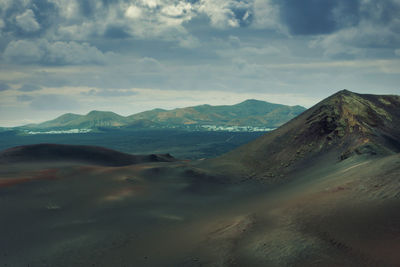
59,56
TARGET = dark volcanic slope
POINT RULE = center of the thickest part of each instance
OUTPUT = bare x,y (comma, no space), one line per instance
339,127
72,153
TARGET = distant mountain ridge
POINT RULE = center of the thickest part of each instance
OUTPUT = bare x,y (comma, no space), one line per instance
248,113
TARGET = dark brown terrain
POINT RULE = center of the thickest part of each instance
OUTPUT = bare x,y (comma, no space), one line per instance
79,154
322,190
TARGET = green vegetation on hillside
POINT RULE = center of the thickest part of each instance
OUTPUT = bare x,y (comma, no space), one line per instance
248,113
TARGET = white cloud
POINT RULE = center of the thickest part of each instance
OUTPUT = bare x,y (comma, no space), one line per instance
220,13
69,8
27,21
266,16
179,9
133,12
397,52
150,3
23,51
377,27
59,53
356,40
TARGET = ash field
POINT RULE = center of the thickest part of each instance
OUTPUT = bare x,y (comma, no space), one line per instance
321,190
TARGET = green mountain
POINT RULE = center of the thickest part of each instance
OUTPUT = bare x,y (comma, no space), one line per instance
247,113
91,120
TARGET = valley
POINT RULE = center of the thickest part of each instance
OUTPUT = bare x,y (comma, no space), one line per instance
181,143
321,190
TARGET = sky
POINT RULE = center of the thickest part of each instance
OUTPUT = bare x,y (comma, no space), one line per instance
127,56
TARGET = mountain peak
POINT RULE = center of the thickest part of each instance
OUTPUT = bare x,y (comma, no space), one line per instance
252,102
345,92
342,126
99,112
355,121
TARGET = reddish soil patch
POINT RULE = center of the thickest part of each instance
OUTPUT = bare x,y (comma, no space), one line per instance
47,174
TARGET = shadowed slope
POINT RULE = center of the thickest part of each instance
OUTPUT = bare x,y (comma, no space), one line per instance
339,127
71,153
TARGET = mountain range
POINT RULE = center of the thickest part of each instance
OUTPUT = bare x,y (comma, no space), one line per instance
321,190
247,113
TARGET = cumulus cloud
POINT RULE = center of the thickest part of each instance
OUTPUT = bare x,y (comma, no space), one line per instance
53,53
266,15
374,25
22,18
163,19
27,22
224,14
133,12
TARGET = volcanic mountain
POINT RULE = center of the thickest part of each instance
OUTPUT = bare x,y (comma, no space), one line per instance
342,126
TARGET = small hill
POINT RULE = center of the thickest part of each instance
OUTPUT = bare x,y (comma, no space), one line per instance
78,154
91,120
340,127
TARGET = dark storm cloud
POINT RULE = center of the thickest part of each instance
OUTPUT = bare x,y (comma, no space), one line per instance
29,88
4,86
116,32
87,7
313,16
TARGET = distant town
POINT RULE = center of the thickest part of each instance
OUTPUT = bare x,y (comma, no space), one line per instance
236,128
208,128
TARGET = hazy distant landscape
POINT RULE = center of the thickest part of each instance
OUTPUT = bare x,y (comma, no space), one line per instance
188,133
250,115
